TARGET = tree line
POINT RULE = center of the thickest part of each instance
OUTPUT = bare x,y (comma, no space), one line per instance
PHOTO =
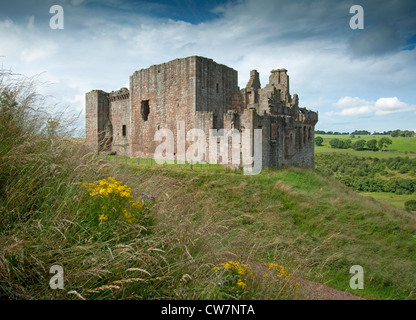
372,144
369,174
393,133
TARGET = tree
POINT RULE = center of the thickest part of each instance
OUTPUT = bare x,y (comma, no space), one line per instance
383,143
409,133
346,144
358,145
372,144
361,132
404,133
319,141
395,133
340,143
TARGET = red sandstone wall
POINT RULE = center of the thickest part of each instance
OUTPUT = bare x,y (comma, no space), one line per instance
96,105
170,90
120,115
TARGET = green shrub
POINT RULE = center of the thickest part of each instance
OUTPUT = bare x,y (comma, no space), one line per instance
319,141
410,205
359,144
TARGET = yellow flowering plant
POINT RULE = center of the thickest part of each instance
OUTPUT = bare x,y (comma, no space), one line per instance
281,276
112,200
233,278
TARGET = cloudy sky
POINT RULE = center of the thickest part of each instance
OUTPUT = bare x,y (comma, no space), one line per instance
356,79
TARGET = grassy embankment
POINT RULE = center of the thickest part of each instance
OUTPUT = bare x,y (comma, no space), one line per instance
292,215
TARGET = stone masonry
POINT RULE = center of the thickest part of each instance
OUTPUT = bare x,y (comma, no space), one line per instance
197,92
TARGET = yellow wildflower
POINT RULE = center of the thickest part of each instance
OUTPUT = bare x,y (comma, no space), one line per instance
136,204
281,270
129,217
241,284
240,268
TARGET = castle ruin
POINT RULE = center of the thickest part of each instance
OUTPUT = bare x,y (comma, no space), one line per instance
200,93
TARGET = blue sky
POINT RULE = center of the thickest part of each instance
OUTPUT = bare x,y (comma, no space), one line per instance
356,79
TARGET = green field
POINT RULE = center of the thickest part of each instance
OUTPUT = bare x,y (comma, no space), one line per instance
397,200
401,147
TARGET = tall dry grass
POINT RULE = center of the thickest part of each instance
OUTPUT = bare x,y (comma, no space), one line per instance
44,218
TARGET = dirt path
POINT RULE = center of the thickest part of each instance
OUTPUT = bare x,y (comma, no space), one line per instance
317,291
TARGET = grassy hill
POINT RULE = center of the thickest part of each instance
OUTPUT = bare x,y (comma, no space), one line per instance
311,223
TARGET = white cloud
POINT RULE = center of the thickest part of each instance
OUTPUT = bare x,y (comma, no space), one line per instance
38,52
354,106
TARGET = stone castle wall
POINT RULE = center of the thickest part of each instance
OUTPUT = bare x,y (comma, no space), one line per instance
196,92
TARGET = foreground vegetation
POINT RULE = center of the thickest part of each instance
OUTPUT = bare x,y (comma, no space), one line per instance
121,230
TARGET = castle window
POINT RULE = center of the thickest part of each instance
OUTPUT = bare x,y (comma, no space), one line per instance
124,130
145,110
304,135
218,88
273,131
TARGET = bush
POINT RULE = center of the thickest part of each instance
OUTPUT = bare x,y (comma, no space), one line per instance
340,143
359,144
334,143
383,143
319,141
372,144
410,205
